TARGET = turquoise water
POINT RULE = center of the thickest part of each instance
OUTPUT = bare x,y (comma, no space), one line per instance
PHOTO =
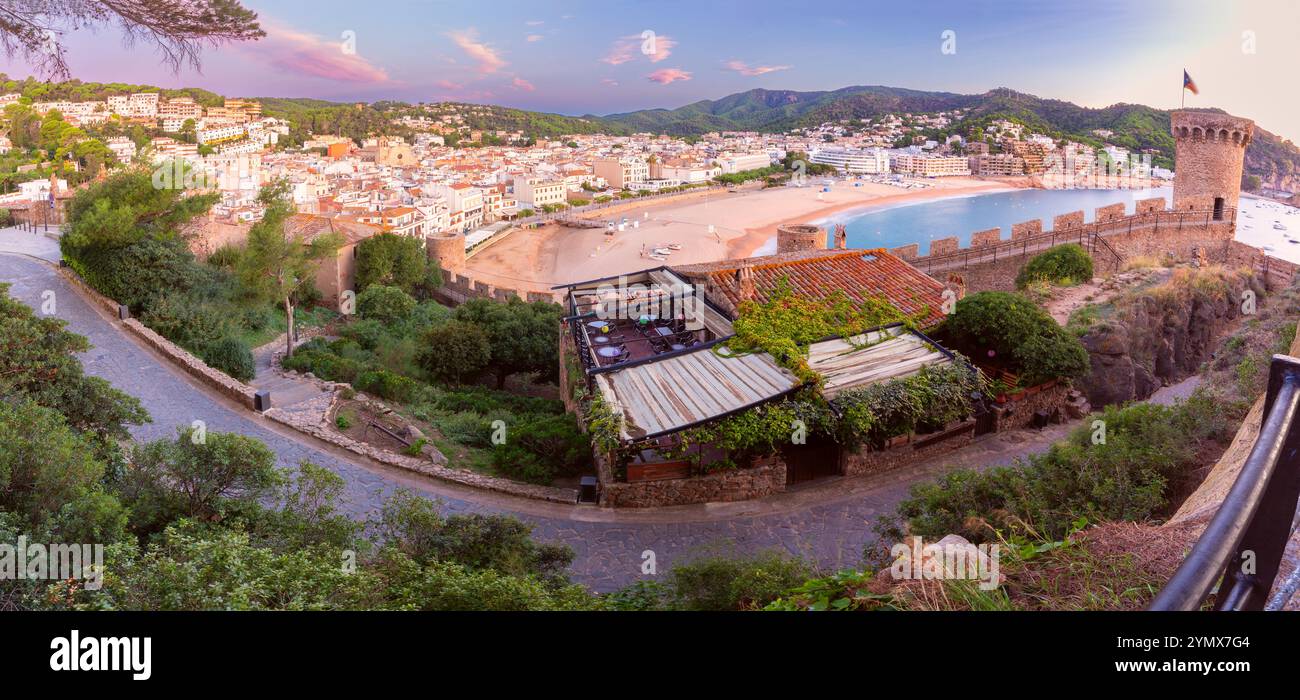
922,222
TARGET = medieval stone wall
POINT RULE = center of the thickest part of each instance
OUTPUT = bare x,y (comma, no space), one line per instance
1209,152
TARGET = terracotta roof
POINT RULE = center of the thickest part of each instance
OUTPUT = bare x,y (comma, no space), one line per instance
858,273
309,226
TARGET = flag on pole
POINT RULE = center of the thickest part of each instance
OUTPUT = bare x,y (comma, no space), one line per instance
1189,84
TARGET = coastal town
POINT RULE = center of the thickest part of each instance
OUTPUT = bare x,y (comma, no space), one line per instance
319,332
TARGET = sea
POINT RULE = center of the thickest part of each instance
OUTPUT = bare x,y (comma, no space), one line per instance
890,226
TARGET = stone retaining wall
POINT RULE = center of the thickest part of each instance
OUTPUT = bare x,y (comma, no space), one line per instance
216,379
759,481
1017,414
867,461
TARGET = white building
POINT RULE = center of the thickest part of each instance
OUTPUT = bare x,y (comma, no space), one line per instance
928,165
871,161
535,192
740,162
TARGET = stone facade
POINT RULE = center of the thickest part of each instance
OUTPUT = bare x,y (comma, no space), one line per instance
1209,151
1025,229
448,251
1110,212
1073,219
764,479
1153,204
991,236
907,252
457,288
1019,413
917,449
944,246
796,237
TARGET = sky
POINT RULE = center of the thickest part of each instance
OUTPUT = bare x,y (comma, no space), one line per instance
576,57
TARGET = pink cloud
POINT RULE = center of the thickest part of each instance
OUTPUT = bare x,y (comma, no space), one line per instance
534,37
627,48
744,69
449,85
311,55
487,58
609,81
522,84
664,76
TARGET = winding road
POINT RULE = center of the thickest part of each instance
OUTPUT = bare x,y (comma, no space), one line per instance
828,521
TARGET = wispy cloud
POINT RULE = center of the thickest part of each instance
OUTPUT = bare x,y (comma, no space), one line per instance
627,48
487,58
449,85
663,76
609,81
745,69
534,37
521,84
314,56
535,22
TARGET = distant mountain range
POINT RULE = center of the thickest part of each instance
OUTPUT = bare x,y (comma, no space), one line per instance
1274,160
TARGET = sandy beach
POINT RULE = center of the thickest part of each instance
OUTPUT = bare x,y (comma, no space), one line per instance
721,226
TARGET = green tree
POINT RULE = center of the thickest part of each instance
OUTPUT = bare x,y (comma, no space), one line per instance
38,361
197,475
384,304
392,260
455,352
277,263
524,336
47,467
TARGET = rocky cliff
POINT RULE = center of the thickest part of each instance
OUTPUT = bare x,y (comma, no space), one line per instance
1158,336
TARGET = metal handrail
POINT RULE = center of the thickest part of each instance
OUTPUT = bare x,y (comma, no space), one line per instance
1245,541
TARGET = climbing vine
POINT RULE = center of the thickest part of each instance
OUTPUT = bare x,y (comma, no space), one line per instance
937,395
787,323
759,432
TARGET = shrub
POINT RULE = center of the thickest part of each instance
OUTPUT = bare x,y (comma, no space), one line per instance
455,351
386,304
1148,448
342,422
188,321
725,583
387,385
366,332
232,356
1010,329
540,448
1068,263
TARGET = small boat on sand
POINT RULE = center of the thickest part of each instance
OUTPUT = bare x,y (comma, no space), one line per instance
657,257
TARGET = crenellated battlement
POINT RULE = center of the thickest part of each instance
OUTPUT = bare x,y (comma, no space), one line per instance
459,288
990,261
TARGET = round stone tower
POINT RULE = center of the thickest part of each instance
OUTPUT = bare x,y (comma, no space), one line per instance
448,250
794,237
1210,151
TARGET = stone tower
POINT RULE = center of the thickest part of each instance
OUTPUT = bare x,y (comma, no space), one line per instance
447,250
1210,151
796,237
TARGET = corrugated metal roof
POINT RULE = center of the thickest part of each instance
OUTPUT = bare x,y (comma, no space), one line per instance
680,391
842,366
